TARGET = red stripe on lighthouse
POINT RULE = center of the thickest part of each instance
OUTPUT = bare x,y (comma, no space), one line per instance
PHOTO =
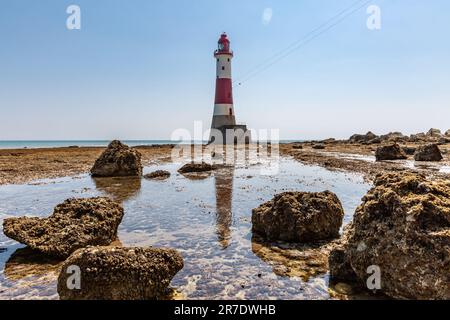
224,93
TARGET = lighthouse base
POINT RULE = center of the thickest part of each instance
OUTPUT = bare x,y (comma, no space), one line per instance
230,134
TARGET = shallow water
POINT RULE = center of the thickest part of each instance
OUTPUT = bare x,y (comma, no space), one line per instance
208,220
441,167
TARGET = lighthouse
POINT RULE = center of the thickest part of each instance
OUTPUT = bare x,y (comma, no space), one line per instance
224,129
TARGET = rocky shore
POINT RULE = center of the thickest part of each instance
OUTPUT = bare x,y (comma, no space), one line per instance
402,223
396,152
26,165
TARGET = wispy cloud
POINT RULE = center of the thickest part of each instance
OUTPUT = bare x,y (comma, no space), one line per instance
267,16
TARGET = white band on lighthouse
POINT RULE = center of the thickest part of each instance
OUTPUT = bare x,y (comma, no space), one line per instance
223,110
223,66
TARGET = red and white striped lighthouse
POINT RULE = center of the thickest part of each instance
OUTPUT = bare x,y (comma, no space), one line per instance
223,104
224,122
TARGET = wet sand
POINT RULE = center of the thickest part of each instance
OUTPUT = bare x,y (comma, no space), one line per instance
25,165
360,158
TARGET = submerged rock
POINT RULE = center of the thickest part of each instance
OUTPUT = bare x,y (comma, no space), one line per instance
74,224
28,265
390,152
429,152
403,227
118,273
119,188
196,167
118,160
303,260
299,217
158,175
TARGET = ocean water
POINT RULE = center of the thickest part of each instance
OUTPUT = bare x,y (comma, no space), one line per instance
21,144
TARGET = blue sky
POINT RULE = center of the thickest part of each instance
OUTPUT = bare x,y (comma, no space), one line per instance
140,69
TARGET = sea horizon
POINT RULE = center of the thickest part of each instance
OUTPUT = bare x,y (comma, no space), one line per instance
35,144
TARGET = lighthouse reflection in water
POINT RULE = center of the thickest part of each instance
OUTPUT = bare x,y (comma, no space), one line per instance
224,198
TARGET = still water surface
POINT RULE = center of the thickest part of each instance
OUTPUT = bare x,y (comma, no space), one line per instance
208,220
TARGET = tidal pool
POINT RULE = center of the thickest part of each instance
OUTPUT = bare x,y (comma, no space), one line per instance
208,220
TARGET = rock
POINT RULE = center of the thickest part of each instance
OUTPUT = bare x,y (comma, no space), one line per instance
329,141
297,146
118,160
409,150
447,133
340,268
299,217
343,288
434,133
119,273
376,140
417,137
158,175
360,138
74,224
196,167
394,137
389,152
429,152
443,140
318,146
403,227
